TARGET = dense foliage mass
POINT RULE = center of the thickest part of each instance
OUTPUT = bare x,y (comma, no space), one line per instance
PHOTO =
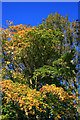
39,75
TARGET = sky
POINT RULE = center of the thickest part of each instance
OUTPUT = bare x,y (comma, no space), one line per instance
33,12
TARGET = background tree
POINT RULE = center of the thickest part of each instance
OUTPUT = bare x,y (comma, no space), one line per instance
40,55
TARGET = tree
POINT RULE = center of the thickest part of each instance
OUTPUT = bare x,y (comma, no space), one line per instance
39,55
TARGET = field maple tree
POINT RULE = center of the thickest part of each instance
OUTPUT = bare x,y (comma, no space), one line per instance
38,70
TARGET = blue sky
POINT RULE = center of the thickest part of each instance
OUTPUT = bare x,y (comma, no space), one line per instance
33,12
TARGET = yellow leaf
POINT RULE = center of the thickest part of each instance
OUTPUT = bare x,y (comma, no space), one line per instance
71,61
58,116
20,105
8,62
21,108
30,107
63,35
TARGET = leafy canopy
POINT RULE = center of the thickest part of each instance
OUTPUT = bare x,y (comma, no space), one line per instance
38,70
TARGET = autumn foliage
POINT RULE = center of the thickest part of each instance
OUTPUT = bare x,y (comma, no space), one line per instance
38,70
